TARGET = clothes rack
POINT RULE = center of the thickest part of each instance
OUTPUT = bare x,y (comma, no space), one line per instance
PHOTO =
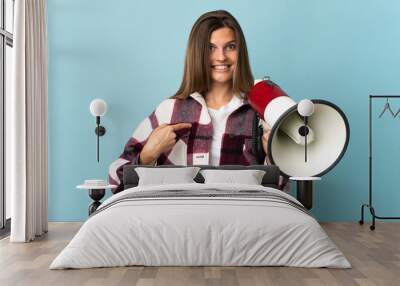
370,203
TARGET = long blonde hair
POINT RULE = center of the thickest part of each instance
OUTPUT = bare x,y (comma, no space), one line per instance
196,75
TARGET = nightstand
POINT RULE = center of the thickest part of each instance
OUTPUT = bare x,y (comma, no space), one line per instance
96,190
305,190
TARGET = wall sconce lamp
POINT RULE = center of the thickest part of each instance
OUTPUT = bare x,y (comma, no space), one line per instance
98,108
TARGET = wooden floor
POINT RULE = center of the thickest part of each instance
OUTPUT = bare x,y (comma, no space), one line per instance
374,255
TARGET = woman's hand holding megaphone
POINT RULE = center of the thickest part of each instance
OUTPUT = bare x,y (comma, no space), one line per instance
264,140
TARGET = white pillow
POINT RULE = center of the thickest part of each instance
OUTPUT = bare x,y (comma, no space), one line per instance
163,176
248,177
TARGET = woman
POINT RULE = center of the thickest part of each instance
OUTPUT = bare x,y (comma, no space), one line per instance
208,120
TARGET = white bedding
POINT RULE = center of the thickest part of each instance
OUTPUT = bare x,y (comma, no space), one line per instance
181,231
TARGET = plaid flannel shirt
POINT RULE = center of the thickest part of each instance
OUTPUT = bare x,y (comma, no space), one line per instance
193,145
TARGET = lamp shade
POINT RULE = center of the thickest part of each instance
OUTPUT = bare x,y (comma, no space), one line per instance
98,107
305,107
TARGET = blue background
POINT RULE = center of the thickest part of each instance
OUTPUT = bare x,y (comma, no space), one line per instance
130,53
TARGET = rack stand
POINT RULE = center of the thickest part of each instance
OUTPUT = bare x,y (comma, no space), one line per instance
369,205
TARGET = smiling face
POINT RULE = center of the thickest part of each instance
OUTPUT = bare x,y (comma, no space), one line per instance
223,55
216,57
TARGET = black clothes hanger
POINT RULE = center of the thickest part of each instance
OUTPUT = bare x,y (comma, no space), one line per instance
387,107
398,111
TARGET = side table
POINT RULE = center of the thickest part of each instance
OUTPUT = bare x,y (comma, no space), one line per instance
305,190
96,193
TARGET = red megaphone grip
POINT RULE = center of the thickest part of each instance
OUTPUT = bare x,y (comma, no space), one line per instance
262,93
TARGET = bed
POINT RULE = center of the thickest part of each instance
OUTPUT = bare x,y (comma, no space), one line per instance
201,224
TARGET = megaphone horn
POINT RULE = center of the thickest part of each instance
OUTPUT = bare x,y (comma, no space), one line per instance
319,122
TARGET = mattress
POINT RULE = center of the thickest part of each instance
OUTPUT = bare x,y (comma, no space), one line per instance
201,225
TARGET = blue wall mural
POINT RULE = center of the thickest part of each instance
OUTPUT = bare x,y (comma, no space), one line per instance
130,53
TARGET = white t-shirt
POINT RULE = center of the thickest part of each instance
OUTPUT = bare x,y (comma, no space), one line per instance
218,119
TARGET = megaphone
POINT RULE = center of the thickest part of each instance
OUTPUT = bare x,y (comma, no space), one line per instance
307,139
